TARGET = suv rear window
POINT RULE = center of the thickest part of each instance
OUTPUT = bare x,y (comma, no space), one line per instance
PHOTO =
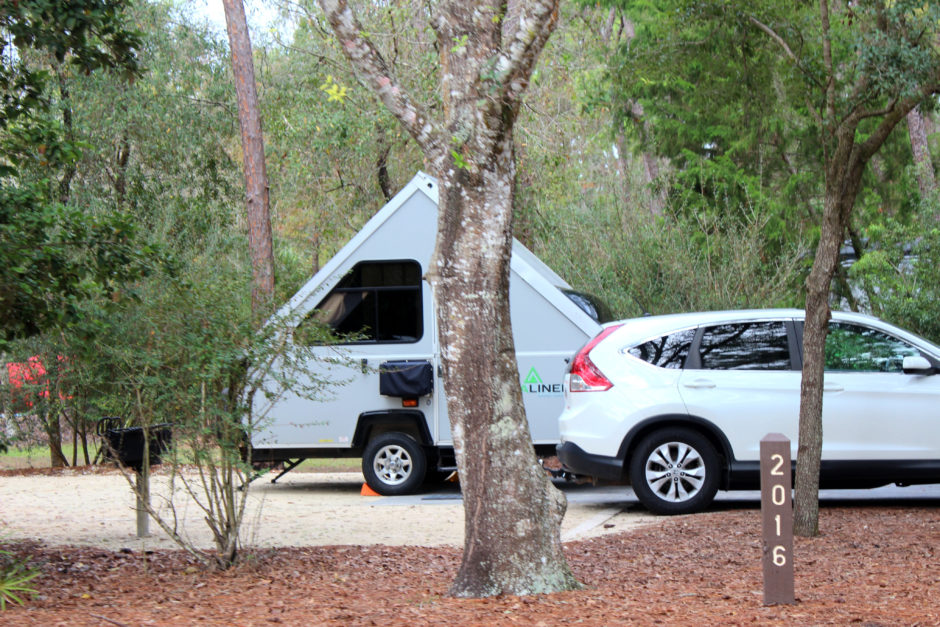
668,351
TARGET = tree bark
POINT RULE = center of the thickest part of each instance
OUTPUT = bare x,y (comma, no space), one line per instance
381,163
809,451
926,180
512,511
65,104
54,433
256,178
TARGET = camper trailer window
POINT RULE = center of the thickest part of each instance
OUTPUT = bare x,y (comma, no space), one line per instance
377,301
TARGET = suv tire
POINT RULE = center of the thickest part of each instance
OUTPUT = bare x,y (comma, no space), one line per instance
675,471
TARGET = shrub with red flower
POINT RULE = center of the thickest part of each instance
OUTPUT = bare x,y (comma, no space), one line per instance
29,383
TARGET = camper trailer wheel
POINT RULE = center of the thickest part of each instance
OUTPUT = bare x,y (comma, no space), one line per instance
393,463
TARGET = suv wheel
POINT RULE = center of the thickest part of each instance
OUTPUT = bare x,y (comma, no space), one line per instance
394,463
675,471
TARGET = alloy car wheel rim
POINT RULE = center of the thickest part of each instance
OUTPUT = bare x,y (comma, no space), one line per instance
392,464
675,472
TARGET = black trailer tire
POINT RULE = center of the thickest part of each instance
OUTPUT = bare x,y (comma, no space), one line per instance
675,471
393,464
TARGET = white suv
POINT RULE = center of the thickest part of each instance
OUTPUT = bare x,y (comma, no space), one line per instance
678,404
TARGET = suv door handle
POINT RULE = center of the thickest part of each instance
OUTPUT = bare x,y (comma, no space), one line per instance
833,387
700,384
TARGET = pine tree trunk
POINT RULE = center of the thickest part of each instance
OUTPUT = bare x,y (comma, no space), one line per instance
256,177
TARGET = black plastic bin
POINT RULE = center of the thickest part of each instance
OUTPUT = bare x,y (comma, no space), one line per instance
126,444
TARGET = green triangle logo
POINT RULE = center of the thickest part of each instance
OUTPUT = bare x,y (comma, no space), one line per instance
533,377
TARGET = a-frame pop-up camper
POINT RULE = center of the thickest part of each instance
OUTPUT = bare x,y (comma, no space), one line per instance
394,414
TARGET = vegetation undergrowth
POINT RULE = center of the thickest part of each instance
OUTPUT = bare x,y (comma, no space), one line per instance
14,580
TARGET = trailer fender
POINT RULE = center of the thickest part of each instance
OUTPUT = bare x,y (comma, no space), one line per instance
409,421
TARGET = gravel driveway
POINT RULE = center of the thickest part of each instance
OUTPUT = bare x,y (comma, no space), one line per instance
301,509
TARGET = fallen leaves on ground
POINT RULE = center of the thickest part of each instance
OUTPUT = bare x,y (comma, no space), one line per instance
871,566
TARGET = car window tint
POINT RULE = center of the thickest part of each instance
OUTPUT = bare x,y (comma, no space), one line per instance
668,351
854,348
745,346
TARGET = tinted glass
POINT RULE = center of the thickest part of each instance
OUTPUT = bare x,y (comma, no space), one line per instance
746,346
668,351
591,305
374,302
855,348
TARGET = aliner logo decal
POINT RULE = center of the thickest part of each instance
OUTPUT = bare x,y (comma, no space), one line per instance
533,384
533,377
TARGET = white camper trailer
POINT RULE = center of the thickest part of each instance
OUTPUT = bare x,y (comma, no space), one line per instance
391,409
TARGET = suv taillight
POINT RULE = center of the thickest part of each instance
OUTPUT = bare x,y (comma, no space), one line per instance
585,376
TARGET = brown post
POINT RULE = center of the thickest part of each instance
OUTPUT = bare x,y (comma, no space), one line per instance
776,480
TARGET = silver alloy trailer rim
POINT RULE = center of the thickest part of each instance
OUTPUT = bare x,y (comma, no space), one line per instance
675,472
392,464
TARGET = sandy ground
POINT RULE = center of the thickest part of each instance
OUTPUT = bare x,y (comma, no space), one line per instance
302,509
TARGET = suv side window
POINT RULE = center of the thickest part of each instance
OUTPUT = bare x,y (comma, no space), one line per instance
668,351
745,346
854,348
376,302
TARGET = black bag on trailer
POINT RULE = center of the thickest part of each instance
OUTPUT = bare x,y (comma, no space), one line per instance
406,379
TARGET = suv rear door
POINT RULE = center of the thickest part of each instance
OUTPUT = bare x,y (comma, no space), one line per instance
744,378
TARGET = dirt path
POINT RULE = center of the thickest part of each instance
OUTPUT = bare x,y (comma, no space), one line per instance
302,509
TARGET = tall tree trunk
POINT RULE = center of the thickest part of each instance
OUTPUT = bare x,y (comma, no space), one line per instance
512,511
381,162
256,178
315,251
809,452
122,155
916,129
65,104
844,168
84,437
54,433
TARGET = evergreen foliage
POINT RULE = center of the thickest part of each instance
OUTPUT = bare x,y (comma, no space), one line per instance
53,255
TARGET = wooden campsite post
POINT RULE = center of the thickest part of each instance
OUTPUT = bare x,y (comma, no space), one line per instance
776,480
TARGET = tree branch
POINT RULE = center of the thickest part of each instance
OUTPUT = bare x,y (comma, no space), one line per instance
777,38
375,73
789,52
896,112
524,38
